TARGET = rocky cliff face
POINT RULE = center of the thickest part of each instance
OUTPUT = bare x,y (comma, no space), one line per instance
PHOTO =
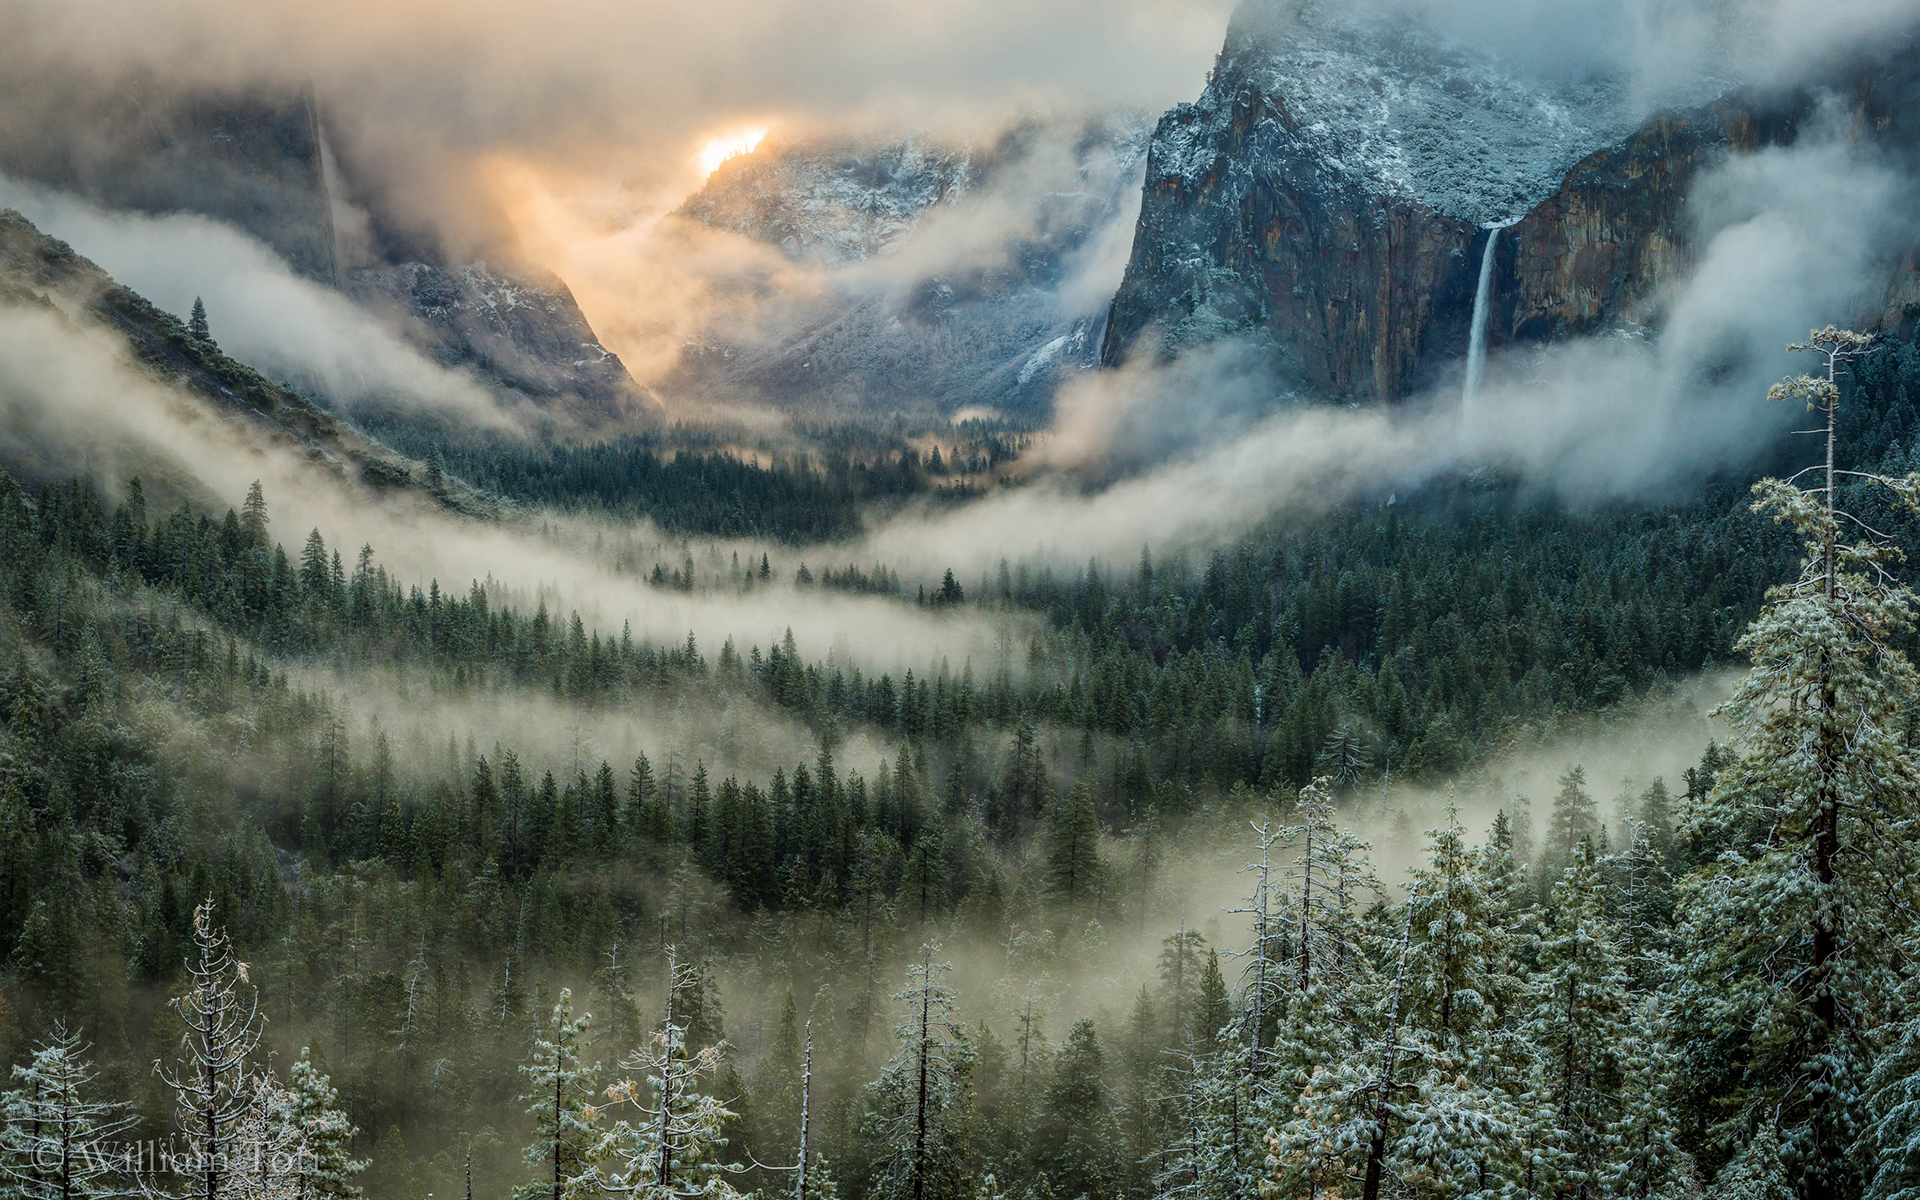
253,159
257,161
948,276
1329,197
523,332
832,201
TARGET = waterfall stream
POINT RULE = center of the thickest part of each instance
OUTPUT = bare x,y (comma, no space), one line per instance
1477,337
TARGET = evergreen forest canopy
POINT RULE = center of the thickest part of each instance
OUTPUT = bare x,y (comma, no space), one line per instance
290,950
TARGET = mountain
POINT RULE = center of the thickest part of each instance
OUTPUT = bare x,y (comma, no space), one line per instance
260,160
1331,194
947,276
833,200
39,270
521,330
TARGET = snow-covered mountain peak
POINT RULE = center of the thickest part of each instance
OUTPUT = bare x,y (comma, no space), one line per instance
832,201
1407,111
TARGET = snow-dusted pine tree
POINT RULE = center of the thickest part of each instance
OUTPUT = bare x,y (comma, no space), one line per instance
1578,1025
559,1098
1646,1160
1793,936
1460,985
670,1150
213,1081
919,1108
323,1134
54,1144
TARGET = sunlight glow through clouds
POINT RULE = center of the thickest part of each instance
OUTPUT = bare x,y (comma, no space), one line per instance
717,150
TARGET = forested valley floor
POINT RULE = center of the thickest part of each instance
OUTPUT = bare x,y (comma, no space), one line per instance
1098,918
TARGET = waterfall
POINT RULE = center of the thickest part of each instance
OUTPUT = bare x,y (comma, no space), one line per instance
1477,337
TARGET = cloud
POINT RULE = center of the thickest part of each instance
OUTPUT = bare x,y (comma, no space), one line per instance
651,76
1787,239
71,400
260,311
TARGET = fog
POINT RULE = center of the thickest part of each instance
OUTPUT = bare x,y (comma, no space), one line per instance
1789,239
260,312
70,395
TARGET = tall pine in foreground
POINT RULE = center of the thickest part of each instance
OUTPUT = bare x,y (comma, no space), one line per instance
919,1117
559,1097
56,1127
671,1148
1793,934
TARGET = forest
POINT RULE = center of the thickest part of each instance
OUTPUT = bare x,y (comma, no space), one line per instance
1202,889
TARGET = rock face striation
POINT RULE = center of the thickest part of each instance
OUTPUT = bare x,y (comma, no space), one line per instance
1331,193
252,159
832,200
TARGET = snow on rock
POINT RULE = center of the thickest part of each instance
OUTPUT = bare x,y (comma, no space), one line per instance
1415,114
832,201
949,275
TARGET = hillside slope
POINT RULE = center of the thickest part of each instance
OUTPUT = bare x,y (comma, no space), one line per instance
40,270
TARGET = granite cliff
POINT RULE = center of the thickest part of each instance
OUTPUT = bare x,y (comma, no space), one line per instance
1331,193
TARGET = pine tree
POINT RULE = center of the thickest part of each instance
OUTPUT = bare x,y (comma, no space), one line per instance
1460,984
1212,1010
559,1098
1890,1150
672,1149
1326,881
55,1143
1758,1172
919,1114
213,1082
197,323
776,1088
1073,848
1078,1137
253,516
1580,1025
1643,1147
1344,759
1180,956
1575,817
1792,937
322,1134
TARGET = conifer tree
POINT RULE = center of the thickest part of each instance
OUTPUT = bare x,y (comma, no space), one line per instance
919,1116
776,1088
322,1134
1579,1025
1645,1158
253,516
672,1148
1575,817
1459,980
1792,936
213,1080
1073,851
1212,1010
55,1145
197,323
559,1098
1079,1137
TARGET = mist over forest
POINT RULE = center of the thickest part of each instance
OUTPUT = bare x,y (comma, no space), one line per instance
1298,600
